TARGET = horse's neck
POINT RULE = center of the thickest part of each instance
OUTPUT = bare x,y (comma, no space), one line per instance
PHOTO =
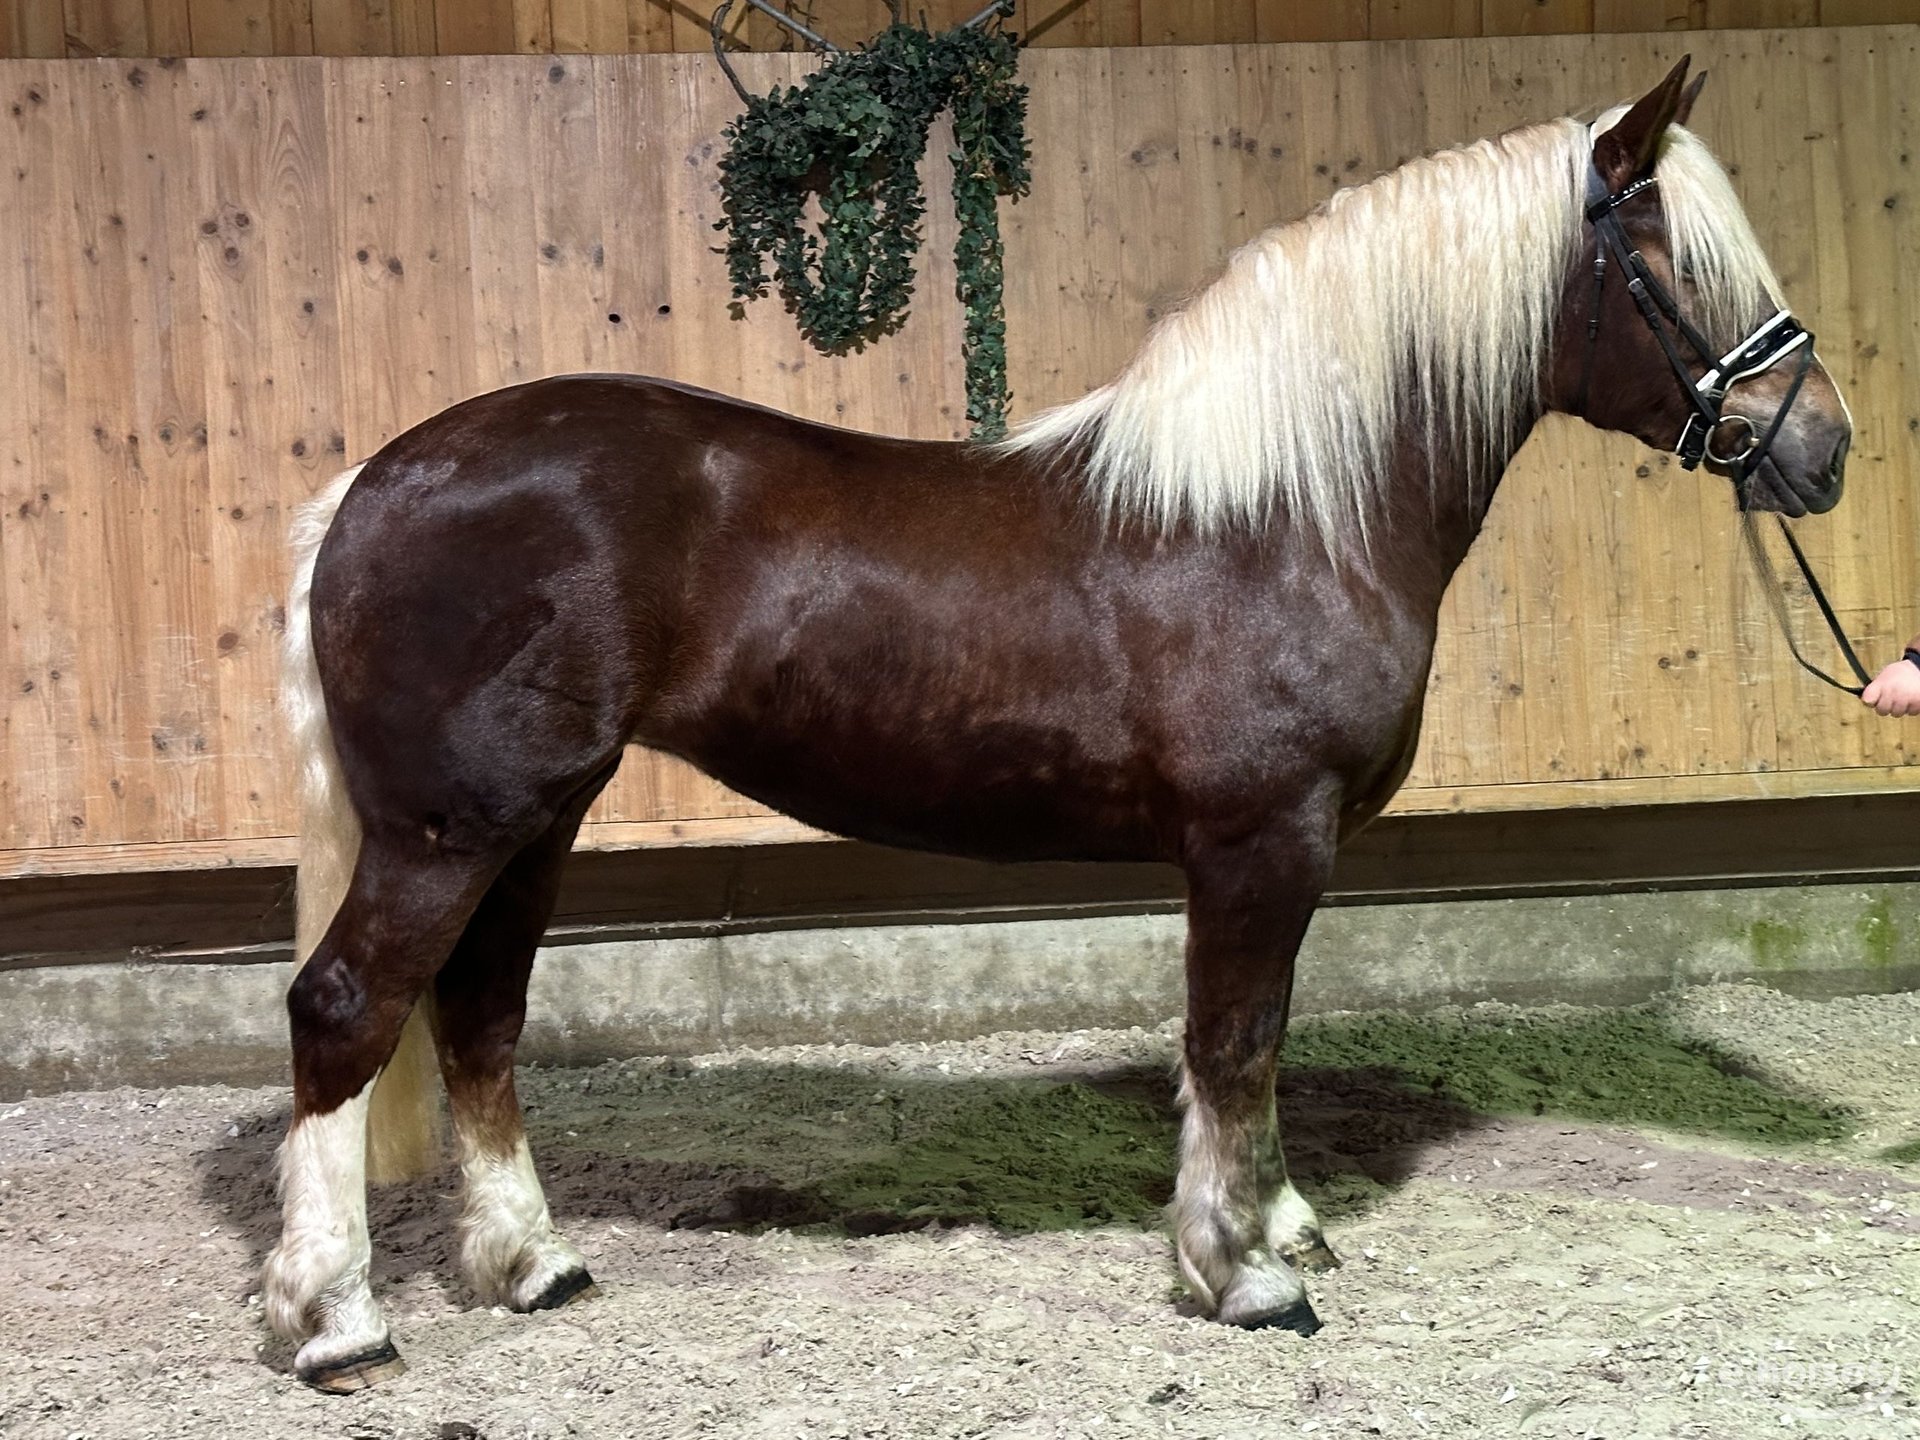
1440,502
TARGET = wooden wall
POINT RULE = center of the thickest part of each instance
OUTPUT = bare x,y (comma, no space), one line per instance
236,276
79,29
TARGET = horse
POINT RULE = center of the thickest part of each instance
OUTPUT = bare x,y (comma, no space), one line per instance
1186,618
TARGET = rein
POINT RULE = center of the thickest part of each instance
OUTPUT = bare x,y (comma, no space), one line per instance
1769,344
1778,601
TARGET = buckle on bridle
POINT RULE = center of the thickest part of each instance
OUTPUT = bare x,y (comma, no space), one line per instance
1691,447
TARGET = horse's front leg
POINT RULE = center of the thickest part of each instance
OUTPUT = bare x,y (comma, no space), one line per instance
1242,1230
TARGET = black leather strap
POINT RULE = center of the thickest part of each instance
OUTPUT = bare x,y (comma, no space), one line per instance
1770,582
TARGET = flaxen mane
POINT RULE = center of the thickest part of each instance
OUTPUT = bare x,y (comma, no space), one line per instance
1284,387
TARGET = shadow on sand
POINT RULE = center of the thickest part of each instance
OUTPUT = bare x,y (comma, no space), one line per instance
874,1150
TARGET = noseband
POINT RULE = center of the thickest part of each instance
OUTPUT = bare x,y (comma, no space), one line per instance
1769,344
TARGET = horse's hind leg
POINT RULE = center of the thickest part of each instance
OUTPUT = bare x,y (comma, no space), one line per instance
1242,1230
402,913
508,1245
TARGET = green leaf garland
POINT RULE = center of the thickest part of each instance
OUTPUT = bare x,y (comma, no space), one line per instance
854,132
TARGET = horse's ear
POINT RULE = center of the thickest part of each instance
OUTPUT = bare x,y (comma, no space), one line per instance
1626,152
1683,112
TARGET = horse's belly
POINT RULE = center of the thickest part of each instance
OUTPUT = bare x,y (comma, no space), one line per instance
997,796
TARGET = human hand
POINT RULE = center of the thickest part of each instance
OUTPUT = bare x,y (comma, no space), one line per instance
1895,690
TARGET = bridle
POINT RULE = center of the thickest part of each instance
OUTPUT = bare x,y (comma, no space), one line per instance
1774,340
1769,344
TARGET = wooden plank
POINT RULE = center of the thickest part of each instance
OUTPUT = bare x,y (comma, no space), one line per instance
503,237
1458,745
1628,16
393,27
589,27
233,27
578,323
1066,329
40,501
532,26
32,29
66,919
654,29
1847,251
343,27
1424,19
1149,155
268,286
1808,721
640,289
1756,14
137,582
1079,23
164,252
416,26
293,27
476,27
1288,20
400,190
1868,12
1654,790
119,27
1536,17
1197,22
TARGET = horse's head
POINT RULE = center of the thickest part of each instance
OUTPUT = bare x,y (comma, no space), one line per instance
1672,329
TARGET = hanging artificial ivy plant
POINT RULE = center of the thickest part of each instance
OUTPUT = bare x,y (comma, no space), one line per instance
854,132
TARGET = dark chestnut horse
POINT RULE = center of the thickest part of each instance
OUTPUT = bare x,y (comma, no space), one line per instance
1187,618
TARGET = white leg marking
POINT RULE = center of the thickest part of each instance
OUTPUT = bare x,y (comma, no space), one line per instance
508,1245
1202,1226
1229,1237
315,1281
1291,1224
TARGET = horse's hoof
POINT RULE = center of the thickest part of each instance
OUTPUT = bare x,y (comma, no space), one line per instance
574,1285
1297,1317
357,1372
1317,1258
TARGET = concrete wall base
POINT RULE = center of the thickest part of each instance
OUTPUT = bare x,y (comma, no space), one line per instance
97,1025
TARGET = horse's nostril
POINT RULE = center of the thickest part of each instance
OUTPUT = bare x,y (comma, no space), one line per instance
1839,461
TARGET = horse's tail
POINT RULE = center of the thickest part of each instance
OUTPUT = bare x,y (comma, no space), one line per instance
403,1122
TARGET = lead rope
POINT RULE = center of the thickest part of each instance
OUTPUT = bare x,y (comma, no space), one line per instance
1776,598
